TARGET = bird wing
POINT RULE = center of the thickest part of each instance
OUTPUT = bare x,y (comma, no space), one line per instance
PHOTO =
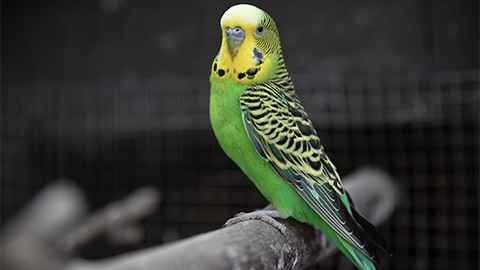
282,134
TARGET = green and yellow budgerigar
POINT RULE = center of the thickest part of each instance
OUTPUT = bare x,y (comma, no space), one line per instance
261,125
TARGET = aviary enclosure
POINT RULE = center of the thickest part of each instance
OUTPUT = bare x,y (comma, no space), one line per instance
113,95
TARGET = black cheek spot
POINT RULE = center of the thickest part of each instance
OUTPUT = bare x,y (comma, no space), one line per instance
252,71
215,67
221,72
241,76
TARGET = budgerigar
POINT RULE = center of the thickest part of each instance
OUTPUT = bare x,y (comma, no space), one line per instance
261,125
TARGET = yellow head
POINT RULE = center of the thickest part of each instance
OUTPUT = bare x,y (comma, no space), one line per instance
250,47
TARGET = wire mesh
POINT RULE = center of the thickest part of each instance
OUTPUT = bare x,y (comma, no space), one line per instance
112,136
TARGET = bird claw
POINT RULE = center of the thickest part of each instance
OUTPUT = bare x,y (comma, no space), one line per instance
267,216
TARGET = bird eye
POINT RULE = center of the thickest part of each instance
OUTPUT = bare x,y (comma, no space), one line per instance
260,30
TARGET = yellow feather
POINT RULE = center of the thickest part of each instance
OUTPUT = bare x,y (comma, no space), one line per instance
248,18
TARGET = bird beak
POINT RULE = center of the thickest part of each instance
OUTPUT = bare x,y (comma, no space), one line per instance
235,37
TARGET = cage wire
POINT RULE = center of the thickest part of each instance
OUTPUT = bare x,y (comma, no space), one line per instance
111,136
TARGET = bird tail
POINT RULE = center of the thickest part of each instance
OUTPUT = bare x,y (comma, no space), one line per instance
357,258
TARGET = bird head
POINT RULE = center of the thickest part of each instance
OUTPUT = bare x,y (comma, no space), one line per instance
250,48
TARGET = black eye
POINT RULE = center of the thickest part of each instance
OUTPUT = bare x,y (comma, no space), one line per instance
260,30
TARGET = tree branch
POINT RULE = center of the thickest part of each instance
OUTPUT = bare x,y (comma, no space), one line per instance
252,243
116,220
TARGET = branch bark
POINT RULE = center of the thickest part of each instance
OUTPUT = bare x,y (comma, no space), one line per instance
253,244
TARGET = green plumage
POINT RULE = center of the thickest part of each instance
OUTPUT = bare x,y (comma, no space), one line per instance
265,130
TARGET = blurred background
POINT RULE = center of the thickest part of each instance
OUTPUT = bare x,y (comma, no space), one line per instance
113,94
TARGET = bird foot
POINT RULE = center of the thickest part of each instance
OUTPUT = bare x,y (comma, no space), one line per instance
264,215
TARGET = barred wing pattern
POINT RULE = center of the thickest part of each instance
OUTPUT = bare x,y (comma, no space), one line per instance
283,135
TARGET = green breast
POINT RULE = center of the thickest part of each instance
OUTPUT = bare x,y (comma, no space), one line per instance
227,124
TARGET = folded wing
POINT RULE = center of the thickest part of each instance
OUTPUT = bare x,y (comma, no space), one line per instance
283,135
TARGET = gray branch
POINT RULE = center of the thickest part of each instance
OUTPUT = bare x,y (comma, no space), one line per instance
117,220
251,244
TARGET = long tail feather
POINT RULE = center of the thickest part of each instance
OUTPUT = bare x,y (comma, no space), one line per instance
357,258
374,238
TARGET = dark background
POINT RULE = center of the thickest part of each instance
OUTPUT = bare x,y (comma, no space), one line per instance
113,94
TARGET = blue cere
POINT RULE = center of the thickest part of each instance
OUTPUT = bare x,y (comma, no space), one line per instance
257,54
